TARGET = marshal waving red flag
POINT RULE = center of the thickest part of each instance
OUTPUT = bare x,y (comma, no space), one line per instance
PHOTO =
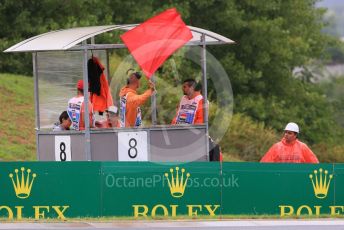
153,41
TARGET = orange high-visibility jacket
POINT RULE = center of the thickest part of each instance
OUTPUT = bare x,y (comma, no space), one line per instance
198,116
133,102
77,100
296,152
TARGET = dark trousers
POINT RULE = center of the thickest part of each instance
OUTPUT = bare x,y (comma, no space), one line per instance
214,150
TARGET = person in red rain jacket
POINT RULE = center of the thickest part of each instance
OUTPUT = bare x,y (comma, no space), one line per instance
290,149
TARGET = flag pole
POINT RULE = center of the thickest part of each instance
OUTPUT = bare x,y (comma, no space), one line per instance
153,103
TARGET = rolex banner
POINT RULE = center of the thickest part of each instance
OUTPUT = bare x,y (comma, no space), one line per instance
62,190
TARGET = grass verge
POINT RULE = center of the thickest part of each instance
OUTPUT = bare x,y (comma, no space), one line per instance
17,135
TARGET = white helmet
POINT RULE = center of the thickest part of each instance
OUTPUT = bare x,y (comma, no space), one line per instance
112,109
291,126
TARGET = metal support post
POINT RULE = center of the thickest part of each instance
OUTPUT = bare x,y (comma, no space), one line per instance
87,109
204,90
35,83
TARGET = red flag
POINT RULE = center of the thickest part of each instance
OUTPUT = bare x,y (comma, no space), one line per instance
152,42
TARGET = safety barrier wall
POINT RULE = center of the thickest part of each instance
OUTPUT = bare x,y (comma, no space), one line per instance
62,190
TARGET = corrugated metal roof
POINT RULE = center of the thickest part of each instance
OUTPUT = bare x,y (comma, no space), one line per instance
68,38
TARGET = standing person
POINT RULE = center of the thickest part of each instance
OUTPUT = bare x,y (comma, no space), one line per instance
290,149
130,112
190,110
76,108
65,122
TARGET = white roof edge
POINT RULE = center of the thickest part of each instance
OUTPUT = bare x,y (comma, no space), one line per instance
211,34
110,28
67,38
13,48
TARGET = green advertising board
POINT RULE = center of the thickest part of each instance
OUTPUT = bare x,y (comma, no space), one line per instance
283,189
161,189
42,190
61,190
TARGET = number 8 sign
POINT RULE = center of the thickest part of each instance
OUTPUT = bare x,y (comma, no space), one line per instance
132,146
62,148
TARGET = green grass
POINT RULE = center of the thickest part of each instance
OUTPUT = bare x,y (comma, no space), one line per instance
17,135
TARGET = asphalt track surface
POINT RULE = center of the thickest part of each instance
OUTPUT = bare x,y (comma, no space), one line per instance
333,224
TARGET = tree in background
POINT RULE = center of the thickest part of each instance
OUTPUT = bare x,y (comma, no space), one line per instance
273,37
24,19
